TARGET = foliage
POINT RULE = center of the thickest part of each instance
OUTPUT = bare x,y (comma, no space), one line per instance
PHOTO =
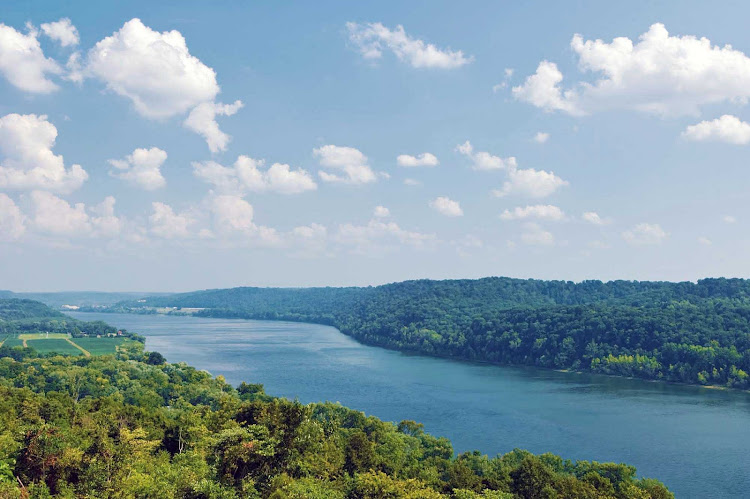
685,332
134,426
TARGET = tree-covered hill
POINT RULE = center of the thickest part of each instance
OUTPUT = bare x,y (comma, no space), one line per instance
20,316
686,332
135,426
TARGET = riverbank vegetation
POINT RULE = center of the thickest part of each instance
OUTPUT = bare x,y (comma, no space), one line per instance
685,332
32,324
135,426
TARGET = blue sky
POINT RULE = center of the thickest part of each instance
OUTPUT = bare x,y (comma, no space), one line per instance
622,158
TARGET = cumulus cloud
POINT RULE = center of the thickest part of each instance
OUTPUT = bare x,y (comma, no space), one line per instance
645,234
142,168
484,160
659,74
167,224
728,128
349,161
23,63
12,221
412,182
446,206
729,219
534,235
704,241
247,175
202,120
594,218
377,237
233,216
539,211
531,183
27,160
371,39
381,212
154,70
527,182
103,219
56,216
61,31
424,159
541,137
542,89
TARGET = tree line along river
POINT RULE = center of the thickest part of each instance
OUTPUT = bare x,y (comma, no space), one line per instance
694,439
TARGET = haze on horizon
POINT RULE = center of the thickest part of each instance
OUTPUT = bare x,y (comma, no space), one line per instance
182,147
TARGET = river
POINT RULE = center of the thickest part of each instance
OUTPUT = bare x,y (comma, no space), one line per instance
694,439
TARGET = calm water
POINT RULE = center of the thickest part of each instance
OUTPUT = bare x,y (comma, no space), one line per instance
694,439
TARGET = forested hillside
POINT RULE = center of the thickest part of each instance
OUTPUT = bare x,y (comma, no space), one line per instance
134,426
18,316
685,332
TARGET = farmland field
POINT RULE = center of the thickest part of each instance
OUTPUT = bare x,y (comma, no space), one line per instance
56,345
100,346
43,336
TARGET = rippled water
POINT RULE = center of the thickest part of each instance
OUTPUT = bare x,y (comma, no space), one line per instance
696,440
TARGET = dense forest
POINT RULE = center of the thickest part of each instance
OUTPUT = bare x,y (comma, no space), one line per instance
684,332
132,425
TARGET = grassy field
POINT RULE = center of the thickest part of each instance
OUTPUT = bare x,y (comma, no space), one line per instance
100,346
54,345
42,336
61,343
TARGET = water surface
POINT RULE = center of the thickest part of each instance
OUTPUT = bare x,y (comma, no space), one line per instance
694,439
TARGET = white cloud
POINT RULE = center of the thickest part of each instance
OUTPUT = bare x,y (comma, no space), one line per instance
508,74
645,234
103,221
412,182
61,31
12,221
446,206
23,63
309,240
378,237
27,160
167,224
594,218
202,120
424,159
154,70
530,182
246,175
232,214
348,160
56,216
539,211
535,235
704,241
142,168
660,74
541,137
727,128
371,39
381,212
542,90
729,219
484,160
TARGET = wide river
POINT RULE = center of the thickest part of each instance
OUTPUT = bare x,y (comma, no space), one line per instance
696,440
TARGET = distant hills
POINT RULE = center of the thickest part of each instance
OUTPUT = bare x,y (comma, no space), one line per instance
686,332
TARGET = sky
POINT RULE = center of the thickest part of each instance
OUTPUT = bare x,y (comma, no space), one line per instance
173,146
